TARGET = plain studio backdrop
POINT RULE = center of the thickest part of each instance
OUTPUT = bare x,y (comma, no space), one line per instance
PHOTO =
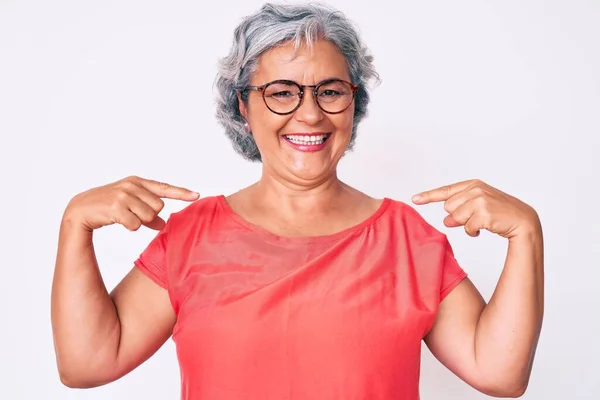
508,92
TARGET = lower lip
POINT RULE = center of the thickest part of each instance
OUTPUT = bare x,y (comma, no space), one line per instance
307,147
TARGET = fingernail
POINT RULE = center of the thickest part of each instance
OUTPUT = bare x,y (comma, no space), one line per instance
416,197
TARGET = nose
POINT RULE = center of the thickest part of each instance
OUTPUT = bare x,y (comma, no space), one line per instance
309,111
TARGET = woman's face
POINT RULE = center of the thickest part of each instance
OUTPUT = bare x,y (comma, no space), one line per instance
290,144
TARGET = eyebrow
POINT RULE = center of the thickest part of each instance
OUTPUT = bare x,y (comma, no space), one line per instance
317,83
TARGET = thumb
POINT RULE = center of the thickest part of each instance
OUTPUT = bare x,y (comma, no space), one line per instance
451,222
157,224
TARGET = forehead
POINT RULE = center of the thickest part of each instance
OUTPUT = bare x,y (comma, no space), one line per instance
306,65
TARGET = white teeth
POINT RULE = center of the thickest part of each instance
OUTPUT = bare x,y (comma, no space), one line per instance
306,139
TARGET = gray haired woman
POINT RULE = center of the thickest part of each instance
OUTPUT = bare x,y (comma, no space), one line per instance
298,286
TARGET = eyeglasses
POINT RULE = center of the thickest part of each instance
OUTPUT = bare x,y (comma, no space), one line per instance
283,97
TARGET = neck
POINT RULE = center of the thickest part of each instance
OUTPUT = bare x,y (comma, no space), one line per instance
289,198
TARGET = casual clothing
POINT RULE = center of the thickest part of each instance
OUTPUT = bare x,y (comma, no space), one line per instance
331,317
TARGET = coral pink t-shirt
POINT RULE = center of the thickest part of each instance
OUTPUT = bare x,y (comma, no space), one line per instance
265,317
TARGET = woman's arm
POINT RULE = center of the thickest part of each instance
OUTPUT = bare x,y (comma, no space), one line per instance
99,337
492,347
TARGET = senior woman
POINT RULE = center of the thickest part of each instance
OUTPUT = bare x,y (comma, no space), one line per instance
298,286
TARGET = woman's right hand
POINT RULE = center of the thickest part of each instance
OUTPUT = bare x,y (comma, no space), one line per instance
131,202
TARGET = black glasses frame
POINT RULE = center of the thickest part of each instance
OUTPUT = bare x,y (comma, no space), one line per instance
315,90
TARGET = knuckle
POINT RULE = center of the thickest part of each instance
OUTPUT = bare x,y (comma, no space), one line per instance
122,217
157,205
477,191
482,206
471,231
115,206
147,216
132,178
448,207
486,215
127,185
458,217
121,196
480,200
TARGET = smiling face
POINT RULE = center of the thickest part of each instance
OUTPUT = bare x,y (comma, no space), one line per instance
303,147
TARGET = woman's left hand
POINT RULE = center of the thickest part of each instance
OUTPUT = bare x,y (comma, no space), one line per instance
477,205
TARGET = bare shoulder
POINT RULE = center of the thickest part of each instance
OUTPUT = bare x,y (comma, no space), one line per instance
364,205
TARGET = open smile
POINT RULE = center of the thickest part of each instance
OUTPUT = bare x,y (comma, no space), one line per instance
307,141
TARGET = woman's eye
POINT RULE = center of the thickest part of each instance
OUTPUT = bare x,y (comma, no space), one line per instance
282,94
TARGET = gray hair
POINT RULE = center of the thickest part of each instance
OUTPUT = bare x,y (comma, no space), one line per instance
271,26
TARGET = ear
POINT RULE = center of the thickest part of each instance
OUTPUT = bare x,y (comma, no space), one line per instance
242,107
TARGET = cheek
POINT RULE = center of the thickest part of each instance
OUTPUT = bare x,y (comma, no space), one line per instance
344,122
262,120
270,124
266,126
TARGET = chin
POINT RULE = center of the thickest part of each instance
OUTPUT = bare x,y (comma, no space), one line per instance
307,163
309,172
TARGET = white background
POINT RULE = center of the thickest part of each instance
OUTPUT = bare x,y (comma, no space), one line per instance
508,92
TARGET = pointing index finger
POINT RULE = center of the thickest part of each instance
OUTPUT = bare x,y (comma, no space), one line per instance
441,193
168,191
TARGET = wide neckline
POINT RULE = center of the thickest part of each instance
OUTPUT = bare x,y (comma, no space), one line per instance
302,239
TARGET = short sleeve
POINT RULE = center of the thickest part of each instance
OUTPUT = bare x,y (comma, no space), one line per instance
452,272
153,260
